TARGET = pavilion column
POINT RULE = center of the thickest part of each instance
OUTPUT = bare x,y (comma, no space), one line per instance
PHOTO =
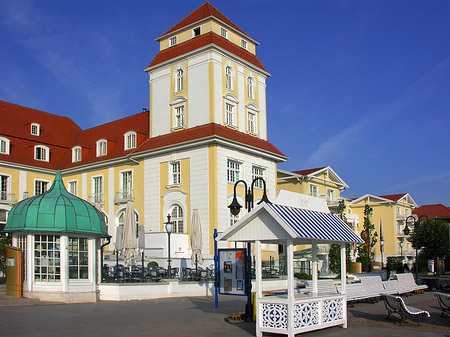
314,266
30,262
343,269
290,285
64,263
258,290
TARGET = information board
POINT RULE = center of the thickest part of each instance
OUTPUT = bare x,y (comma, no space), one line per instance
232,271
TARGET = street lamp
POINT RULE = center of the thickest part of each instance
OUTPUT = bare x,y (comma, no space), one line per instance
169,229
416,230
381,249
235,208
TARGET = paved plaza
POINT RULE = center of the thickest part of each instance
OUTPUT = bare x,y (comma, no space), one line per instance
192,316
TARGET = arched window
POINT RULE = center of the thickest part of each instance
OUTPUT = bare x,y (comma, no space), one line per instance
102,147
130,140
41,153
229,78
179,81
76,154
250,88
177,219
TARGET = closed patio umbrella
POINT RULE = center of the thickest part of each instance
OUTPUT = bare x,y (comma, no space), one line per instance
129,234
196,239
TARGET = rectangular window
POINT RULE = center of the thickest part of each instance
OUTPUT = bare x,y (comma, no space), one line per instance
251,121
330,195
257,172
4,187
78,259
35,129
244,44
313,190
179,117
196,32
47,258
172,41
101,148
98,189
130,140
223,32
40,153
40,187
229,114
22,244
233,219
76,154
176,172
127,185
233,169
4,146
72,187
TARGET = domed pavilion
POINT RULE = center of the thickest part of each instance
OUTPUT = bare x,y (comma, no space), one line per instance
60,235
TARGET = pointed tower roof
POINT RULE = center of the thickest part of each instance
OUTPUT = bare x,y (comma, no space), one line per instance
56,211
203,12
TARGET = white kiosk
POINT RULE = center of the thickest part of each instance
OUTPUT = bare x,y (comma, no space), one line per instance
295,312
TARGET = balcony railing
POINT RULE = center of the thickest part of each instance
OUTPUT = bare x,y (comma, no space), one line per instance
330,201
7,198
96,198
122,196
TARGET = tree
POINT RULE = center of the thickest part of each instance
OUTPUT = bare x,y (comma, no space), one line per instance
4,241
369,236
435,241
334,255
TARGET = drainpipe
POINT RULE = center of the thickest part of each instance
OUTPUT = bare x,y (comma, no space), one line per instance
108,241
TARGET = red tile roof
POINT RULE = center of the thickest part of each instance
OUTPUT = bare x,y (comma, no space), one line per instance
204,11
202,41
207,131
308,171
433,211
393,197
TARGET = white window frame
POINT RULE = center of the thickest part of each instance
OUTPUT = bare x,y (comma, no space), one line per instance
258,172
173,41
177,218
98,194
250,88
233,170
4,145
76,154
35,129
331,195
43,186
102,147
194,34
5,186
72,187
224,33
126,184
313,190
47,258
179,80
130,140
230,114
179,119
175,173
229,78
244,44
252,127
78,258
41,153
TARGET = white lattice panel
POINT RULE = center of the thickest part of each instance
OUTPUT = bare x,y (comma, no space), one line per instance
306,314
333,310
274,316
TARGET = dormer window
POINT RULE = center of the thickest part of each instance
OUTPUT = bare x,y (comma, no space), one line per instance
130,140
4,145
101,147
35,129
76,154
223,32
41,153
244,44
172,41
196,32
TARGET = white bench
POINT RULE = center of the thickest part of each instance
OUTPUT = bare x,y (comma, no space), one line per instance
324,286
395,287
444,301
396,305
407,281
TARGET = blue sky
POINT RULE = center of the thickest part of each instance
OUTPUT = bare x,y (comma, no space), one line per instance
361,86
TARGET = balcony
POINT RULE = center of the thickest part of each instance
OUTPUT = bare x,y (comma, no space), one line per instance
7,198
331,201
96,199
122,196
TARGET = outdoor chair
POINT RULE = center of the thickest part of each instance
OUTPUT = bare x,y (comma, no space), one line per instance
395,287
174,272
444,301
395,305
154,275
407,281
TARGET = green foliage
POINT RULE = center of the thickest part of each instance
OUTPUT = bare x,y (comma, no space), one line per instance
369,236
4,241
394,263
302,276
435,242
334,255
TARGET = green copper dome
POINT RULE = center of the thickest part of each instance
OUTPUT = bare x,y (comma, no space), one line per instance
56,211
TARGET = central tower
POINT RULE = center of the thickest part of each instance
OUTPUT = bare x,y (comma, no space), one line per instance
207,72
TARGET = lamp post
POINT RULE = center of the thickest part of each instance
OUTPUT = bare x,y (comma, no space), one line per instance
169,229
401,249
416,230
381,249
235,208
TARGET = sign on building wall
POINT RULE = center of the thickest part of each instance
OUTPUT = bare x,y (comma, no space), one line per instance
232,271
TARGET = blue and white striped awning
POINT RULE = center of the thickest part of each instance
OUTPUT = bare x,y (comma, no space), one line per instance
315,225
